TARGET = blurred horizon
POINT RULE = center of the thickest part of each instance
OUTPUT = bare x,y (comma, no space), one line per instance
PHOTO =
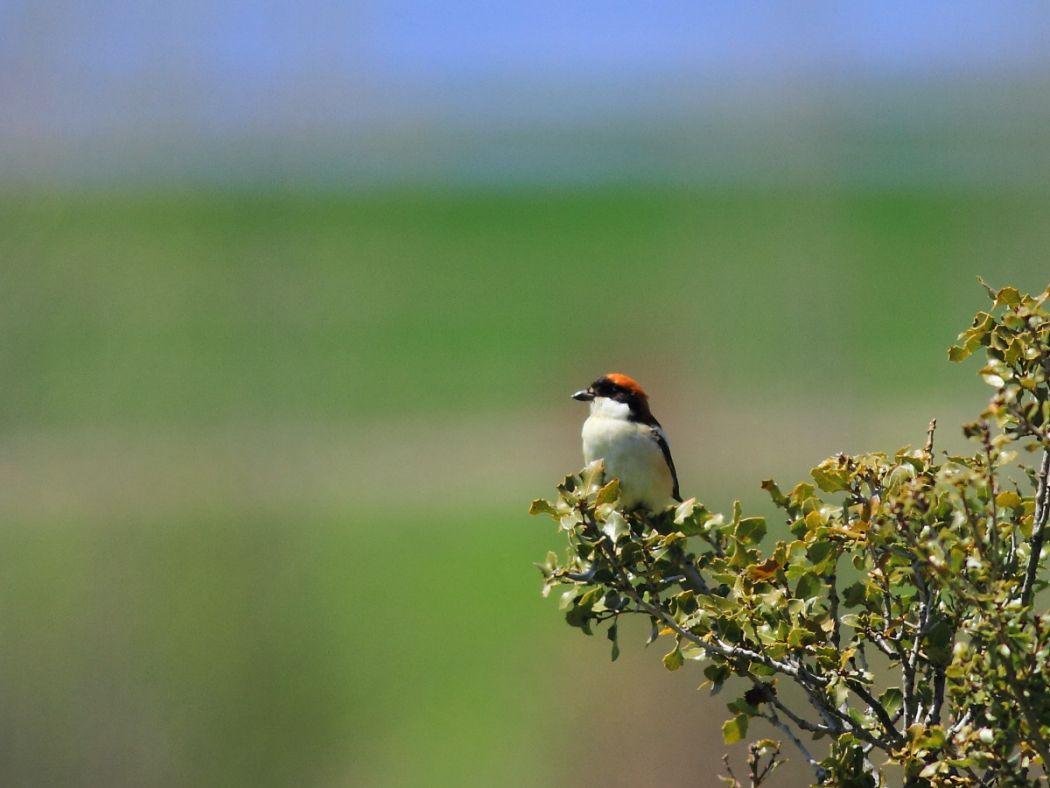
351,96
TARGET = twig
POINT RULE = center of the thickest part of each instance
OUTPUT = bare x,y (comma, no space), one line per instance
812,683
878,708
818,770
759,773
920,631
959,723
715,645
1042,509
756,772
819,702
833,601
805,725
862,656
927,450
729,770
908,673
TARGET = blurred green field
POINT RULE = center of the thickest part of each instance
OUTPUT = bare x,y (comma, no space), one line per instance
208,308
264,458
230,650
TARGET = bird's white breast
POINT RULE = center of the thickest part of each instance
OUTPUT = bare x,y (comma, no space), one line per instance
630,453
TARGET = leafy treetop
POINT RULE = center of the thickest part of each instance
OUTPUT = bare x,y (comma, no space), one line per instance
900,610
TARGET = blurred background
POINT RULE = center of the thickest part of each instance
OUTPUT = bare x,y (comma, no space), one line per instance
293,297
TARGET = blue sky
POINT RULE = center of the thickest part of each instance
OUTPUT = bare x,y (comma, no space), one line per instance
87,65
126,72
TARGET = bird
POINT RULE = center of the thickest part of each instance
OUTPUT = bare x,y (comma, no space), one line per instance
622,432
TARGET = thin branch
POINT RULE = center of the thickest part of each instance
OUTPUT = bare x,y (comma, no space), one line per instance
758,773
1042,510
802,723
878,708
824,709
715,645
920,631
927,450
907,671
933,716
862,656
833,601
993,536
812,683
818,770
959,723
729,770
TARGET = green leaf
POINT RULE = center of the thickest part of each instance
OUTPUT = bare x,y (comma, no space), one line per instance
902,473
612,634
615,526
735,729
674,660
717,674
779,499
852,620
1008,499
684,510
932,769
818,552
609,493
579,617
891,700
809,587
591,476
737,509
1008,296
832,475
541,506
853,595
751,530
691,517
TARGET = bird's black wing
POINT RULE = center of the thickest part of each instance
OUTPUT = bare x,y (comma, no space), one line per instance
661,439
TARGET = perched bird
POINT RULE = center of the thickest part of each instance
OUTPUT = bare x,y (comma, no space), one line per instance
622,431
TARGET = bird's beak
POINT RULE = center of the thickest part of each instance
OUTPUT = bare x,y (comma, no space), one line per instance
583,396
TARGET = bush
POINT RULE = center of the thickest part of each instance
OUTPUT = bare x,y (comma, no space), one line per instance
901,609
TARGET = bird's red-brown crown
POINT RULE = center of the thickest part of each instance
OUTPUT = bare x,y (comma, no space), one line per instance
627,382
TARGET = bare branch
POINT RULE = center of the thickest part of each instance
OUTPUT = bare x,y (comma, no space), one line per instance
818,770
920,630
756,771
927,450
1042,509
877,708
833,601
729,771
993,531
959,723
804,724
933,716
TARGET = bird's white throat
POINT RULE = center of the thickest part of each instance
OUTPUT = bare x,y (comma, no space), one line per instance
606,408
